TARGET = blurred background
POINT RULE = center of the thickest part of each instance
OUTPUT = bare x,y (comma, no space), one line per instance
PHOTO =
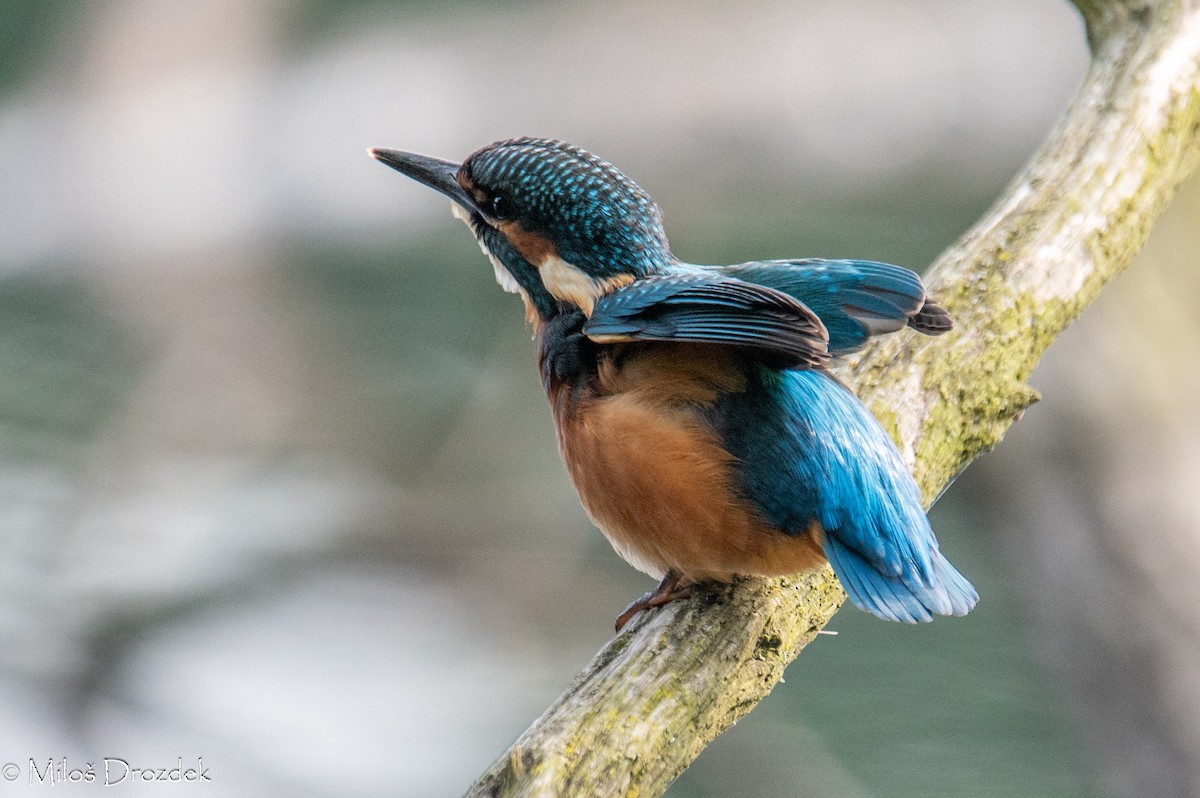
278,485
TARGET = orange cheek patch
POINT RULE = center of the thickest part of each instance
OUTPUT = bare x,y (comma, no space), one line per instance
565,281
533,247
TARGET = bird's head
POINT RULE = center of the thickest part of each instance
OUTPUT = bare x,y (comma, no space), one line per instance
561,226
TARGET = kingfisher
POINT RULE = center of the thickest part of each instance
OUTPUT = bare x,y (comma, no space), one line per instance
694,405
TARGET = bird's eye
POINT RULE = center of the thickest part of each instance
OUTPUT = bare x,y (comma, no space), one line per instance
500,207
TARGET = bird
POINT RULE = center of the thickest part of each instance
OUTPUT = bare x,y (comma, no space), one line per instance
694,405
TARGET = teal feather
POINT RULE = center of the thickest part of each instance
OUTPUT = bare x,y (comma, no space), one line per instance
855,299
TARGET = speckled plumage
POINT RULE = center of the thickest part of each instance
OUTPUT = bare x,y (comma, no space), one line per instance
585,206
692,403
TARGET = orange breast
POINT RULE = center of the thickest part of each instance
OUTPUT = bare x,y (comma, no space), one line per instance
652,474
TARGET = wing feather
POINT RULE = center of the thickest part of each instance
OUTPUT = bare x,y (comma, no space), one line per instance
708,308
855,299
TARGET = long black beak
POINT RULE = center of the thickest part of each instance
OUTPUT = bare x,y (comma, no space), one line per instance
433,172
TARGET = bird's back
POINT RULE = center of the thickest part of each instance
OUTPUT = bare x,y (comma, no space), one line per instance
809,452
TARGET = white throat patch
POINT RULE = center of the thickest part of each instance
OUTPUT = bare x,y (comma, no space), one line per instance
503,276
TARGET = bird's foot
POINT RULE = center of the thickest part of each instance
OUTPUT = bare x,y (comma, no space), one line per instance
668,590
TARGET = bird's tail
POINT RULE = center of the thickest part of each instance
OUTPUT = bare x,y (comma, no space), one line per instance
892,597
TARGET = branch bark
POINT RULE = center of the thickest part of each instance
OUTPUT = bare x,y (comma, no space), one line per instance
651,700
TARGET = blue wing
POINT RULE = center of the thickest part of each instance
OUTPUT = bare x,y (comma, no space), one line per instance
709,308
855,299
808,449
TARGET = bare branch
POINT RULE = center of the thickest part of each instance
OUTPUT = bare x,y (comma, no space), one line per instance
659,693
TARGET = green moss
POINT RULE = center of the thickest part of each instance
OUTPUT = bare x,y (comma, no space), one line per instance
1173,150
887,420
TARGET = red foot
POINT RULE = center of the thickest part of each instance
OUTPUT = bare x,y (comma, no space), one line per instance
668,590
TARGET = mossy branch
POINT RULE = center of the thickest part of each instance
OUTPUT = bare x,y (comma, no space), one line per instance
676,678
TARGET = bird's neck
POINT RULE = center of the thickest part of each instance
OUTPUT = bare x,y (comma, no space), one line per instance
555,284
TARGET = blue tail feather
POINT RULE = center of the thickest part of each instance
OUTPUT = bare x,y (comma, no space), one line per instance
893,598
961,592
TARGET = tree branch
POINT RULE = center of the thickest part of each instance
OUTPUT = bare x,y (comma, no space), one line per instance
646,706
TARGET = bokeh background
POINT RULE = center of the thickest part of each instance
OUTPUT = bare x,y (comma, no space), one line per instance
278,487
